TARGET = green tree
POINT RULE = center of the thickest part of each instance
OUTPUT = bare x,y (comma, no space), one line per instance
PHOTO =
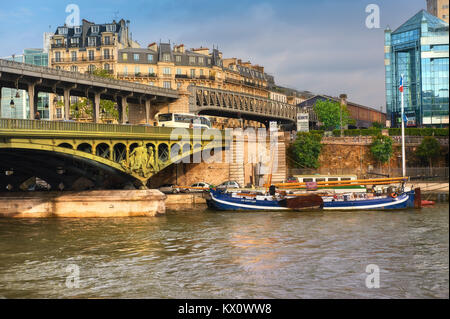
305,150
329,113
107,108
429,149
381,148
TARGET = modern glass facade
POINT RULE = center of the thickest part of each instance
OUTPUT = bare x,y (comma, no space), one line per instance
419,50
21,106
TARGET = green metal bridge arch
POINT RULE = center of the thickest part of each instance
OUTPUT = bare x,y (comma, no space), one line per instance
129,153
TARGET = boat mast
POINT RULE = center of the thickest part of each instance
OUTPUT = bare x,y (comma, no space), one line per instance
403,132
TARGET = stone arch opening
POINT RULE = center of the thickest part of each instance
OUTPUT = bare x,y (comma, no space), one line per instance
66,145
163,152
119,152
85,147
175,150
103,150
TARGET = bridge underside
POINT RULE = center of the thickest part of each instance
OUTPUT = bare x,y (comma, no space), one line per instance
60,171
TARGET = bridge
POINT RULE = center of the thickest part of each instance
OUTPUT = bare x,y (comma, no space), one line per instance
202,100
107,155
35,79
218,102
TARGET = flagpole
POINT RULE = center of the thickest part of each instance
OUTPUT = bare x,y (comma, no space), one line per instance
403,132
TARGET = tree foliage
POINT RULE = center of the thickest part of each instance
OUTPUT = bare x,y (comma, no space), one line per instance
328,112
381,148
429,149
305,150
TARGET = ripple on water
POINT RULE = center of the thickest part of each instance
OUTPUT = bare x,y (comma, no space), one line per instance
229,255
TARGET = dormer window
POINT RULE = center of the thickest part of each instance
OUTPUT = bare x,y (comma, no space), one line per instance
63,31
77,30
166,57
111,28
95,29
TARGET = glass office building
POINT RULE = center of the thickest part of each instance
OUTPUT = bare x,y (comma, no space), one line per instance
418,49
21,106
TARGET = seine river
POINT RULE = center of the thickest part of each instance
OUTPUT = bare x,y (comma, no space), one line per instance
228,255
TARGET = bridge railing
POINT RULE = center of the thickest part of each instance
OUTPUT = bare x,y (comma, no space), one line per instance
43,125
88,77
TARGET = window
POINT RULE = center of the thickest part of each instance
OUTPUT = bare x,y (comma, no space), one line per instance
77,30
107,67
167,84
137,70
95,29
107,40
201,72
178,58
166,57
150,57
151,71
192,60
192,73
75,40
92,41
110,28
136,57
74,56
178,71
125,70
201,60
57,56
63,31
91,68
125,56
167,71
58,112
209,61
91,54
74,68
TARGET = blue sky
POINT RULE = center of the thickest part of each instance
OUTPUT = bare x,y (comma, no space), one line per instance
322,46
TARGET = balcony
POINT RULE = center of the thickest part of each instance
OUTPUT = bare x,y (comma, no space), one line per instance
137,75
57,45
110,71
84,59
190,77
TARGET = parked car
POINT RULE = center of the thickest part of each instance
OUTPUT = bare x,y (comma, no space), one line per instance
229,184
169,189
200,184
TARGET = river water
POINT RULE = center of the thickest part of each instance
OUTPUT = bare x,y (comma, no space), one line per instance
207,254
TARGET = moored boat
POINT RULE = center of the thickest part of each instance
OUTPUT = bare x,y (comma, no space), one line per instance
407,199
222,200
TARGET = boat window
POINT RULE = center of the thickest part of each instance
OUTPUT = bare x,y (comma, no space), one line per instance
165,117
332,179
320,179
307,180
345,179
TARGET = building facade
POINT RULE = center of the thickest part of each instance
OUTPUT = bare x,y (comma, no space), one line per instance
15,103
364,116
438,8
418,49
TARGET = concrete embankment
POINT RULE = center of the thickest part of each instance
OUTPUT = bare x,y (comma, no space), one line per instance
432,190
177,202
111,203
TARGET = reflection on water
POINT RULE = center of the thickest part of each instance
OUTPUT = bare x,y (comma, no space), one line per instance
229,255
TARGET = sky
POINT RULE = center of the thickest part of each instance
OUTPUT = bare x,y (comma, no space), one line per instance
322,46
